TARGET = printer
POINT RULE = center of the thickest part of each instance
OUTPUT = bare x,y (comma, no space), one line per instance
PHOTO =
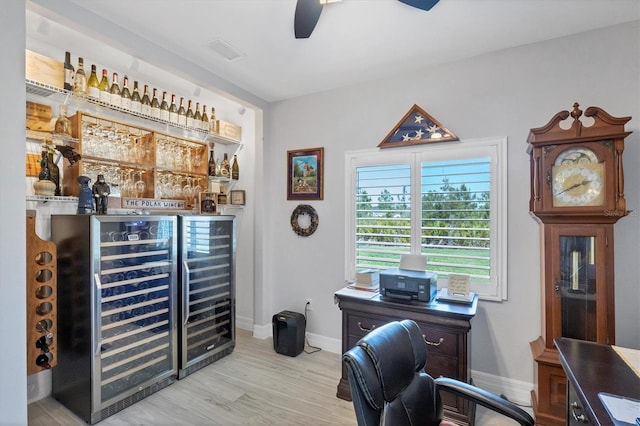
407,285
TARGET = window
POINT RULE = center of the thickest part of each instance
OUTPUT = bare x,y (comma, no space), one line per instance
446,201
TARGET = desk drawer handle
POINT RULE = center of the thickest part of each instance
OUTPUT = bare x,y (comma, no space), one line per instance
365,328
430,343
577,417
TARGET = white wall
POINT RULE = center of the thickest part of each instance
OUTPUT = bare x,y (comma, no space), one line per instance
500,94
13,312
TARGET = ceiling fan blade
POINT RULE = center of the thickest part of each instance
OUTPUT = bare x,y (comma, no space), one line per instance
421,4
306,17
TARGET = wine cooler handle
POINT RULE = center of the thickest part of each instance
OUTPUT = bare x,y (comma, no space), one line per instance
185,292
97,317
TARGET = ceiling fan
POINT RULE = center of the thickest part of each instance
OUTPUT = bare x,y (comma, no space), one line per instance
308,13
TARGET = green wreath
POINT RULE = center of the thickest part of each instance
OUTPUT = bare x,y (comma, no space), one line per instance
304,209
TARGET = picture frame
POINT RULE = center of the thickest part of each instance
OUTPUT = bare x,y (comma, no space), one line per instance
205,207
305,174
237,197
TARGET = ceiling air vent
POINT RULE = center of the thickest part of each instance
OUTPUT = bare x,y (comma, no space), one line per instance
225,50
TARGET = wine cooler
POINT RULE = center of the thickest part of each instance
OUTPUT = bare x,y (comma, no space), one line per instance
117,310
207,293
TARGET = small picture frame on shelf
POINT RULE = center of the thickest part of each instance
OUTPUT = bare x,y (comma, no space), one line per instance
237,197
222,199
208,202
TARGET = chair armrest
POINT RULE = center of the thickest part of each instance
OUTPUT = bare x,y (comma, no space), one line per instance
484,398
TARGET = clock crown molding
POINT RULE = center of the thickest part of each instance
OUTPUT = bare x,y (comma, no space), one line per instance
604,126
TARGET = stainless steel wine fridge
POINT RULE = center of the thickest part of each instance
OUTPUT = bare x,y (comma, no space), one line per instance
207,290
117,310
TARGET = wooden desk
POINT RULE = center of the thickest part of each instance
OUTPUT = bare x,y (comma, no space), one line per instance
592,368
445,326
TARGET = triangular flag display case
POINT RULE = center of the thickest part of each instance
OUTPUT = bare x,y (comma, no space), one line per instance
415,128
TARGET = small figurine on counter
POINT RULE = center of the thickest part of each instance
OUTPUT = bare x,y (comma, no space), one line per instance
85,197
101,193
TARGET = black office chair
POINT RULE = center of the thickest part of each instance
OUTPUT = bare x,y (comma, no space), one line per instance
389,386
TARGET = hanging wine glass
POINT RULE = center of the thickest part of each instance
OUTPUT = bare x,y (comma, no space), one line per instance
187,192
140,185
127,185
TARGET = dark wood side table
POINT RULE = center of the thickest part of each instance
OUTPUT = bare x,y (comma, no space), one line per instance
445,326
592,368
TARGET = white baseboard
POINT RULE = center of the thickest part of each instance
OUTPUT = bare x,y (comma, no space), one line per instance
516,391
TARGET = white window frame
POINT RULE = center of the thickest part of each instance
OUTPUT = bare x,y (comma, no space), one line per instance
493,148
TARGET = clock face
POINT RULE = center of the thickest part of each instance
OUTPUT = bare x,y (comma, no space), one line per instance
577,155
578,184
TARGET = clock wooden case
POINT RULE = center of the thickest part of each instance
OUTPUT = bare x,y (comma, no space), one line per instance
577,194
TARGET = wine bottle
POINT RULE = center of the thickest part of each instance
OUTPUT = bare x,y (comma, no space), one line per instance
93,85
105,96
164,108
126,94
173,110
212,121
68,72
225,167
189,115
197,117
182,114
235,169
116,97
155,104
44,360
212,164
205,119
80,79
145,102
136,102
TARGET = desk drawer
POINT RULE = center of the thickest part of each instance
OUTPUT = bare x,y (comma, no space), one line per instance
359,326
439,342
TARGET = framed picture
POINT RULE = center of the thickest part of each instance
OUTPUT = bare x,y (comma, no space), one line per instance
207,202
305,176
237,197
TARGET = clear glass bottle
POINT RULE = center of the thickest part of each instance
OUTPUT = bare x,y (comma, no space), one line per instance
80,79
63,124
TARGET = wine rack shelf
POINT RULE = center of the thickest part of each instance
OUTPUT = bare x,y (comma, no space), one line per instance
41,300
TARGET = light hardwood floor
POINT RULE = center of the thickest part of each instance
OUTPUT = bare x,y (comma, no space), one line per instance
251,386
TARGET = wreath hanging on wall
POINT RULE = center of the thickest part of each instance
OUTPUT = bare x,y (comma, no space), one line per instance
298,213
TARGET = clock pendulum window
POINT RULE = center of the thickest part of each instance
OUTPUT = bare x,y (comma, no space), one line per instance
577,195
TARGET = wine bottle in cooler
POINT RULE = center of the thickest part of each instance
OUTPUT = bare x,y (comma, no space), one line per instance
68,71
80,79
93,85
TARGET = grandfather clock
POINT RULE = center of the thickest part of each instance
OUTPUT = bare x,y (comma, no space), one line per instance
577,195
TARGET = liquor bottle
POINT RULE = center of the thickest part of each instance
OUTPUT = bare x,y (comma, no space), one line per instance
105,96
155,104
190,115
235,169
182,114
126,94
116,97
145,102
205,119
80,79
68,72
164,108
197,117
173,110
225,167
212,164
136,102
93,85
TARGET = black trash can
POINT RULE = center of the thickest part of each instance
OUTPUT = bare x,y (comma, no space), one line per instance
288,333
